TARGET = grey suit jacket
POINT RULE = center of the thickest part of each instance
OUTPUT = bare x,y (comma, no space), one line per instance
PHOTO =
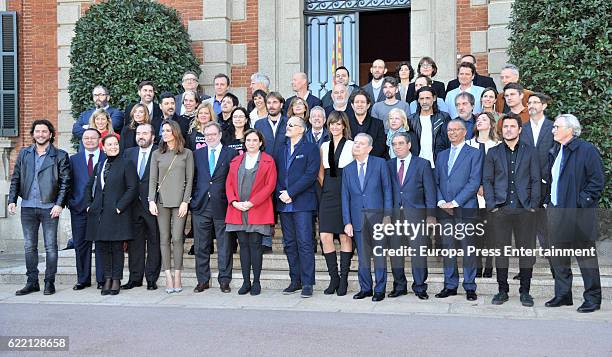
370,90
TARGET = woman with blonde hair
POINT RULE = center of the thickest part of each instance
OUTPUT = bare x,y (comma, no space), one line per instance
204,113
398,123
139,115
101,120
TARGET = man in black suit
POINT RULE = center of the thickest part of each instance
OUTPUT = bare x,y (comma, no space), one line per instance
146,237
189,83
146,92
341,76
208,208
511,183
414,199
374,88
299,84
363,122
479,80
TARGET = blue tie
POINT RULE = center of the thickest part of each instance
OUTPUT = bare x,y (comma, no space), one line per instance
211,161
361,175
143,164
451,159
555,172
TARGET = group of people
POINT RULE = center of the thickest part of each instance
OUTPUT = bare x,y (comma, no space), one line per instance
396,149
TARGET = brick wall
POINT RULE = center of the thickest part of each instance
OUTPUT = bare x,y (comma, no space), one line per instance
471,18
246,32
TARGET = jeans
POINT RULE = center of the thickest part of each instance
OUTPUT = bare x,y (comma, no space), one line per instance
31,220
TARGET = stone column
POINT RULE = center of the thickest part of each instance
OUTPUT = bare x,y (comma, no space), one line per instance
497,36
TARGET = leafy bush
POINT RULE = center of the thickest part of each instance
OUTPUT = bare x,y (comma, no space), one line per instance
564,49
120,43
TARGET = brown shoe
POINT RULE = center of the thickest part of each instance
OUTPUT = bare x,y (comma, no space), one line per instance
225,288
201,287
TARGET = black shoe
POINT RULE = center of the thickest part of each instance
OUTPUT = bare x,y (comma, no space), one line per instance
292,288
245,288
100,286
201,287
49,288
479,273
422,295
131,284
225,288
79,286
378,297
332,268
588,307
191,251
446,293
526,300
306,291
559,301
151,285
69,244
266,249
345,266
395,293
28,289
362,295
517,277
500,298
488,273
470,295
114,290
256,288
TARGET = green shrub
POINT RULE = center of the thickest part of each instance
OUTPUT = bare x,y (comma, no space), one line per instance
564,49
120,43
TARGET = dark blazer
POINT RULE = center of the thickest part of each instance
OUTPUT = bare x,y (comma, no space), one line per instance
323,138
78,164
440,137
376,129
479,80
418,189
376,195
115,114
437,86
581,183
132,155
464,179
312,102
53,177
120,191
209,189
545,142
156,116
495,176
127,138
297,174
273,142
370,90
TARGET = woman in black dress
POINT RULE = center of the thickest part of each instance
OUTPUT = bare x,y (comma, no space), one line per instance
109,194
335,155
233,136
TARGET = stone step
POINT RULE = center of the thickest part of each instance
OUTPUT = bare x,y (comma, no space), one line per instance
541,287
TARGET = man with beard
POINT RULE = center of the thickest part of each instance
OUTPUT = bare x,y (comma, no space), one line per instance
340,102
100,98
341,76
146,92
374,88
41,177
362,122
381,110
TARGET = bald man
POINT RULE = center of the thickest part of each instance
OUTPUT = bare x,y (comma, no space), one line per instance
299,84
374,88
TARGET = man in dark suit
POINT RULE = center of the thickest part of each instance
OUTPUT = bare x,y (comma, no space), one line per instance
208,208
374,88
367,200
341,76
189,83
299,84
363,122
146,92
100,98
340,100
577,181
317,133
458,174
146,232
414,201
82,164
298,163
273,129
479,80
511,183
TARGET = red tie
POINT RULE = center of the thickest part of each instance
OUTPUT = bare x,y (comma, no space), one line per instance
400,173
90,164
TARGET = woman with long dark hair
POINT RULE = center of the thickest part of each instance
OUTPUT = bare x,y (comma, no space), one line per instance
233,136
139,115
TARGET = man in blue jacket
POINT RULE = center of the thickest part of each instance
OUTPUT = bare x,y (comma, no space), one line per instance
100,98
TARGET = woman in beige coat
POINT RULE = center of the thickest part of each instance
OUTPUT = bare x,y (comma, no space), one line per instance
170,183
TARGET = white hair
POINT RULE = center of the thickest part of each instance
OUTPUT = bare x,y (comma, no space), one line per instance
572,122
367,136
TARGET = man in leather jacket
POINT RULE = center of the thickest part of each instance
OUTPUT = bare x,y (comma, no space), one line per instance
41,177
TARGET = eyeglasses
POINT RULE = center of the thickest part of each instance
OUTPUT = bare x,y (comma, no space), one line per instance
557,127
190,79
426,65
454,130
100,95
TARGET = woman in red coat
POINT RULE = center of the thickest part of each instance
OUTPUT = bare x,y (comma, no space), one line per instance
249,187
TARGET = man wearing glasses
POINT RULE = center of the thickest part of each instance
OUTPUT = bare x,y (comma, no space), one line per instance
100,98
190,83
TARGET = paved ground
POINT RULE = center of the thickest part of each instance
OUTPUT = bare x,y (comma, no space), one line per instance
141,322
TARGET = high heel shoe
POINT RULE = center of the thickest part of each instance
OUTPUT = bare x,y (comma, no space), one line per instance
115,288
178,290
169,290
107,287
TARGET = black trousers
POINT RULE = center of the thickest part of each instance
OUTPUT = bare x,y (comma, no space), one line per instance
145,244
589,269
251,254
521,222
203,226
112,258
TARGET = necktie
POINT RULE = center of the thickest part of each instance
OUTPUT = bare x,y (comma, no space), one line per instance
556,171
361,174
451,159
316,136
90,165
211,161
400,173
143,164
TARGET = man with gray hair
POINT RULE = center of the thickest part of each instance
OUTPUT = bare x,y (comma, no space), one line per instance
367,200
317,133
340,97
299,84
101,97
189,82
577,180
341,76
381,110
259,81
509,74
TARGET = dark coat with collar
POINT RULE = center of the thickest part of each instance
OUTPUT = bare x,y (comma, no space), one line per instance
323,138
376,129
297,174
